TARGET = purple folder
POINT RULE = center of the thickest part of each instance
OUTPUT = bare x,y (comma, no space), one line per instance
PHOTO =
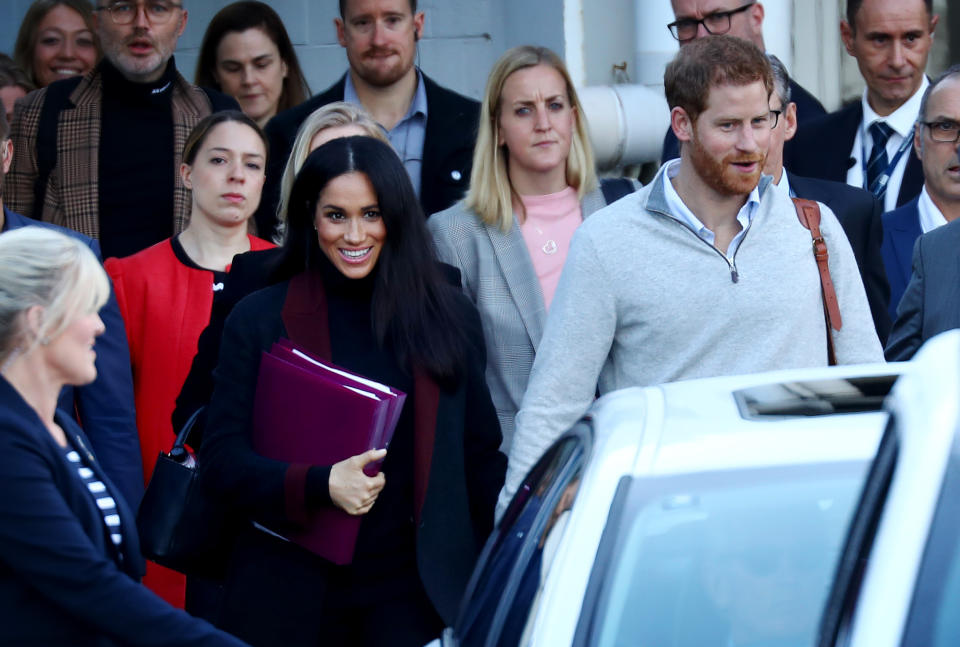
305,412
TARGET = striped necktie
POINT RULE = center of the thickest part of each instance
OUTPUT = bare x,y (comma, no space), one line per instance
877,164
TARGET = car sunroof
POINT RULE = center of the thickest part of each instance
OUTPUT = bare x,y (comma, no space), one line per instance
815,397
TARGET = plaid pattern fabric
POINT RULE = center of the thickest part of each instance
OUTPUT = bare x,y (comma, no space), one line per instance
498,276
72,191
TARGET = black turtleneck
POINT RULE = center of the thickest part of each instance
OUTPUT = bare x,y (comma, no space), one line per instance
136,174
386,545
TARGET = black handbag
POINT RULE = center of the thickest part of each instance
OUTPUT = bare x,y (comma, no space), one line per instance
180,526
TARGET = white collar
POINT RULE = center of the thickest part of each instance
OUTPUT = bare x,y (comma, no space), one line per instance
902,119
930,215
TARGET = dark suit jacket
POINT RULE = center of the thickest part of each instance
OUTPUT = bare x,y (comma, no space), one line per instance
901,229
105,407
447,148
931,303
61,580
808,109
859,214
822,149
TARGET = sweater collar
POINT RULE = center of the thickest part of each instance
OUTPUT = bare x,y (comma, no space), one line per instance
118,86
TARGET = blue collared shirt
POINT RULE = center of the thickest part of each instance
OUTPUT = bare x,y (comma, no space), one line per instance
683,213
408,135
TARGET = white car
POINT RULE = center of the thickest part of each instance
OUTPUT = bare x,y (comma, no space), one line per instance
728,511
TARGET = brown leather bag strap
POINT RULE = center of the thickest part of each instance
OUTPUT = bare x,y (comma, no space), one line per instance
808,213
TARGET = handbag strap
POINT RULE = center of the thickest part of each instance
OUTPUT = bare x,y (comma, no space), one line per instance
185,430
808,213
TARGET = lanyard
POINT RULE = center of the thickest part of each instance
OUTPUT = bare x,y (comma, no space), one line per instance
885,176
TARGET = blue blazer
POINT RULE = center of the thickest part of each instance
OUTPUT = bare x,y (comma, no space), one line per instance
105,407
931,302
901,229
822,149
61,580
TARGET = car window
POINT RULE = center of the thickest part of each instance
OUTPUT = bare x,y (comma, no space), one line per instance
518,554
933,620
733,558
814,397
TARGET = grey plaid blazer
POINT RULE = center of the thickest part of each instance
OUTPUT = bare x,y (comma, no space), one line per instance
72,198
498,276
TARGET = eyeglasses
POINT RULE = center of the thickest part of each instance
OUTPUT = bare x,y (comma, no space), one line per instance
716,23
775,117
125,13
947,132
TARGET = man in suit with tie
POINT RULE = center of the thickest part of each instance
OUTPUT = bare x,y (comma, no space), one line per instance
867,143
695,19
857,210
931,303
433,129
935,142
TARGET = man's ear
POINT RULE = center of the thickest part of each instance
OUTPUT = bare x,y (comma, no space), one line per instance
846,35
790,125
341,31
918,140
681,124
183,23
418,19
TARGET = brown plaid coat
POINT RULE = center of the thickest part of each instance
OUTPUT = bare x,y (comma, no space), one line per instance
72,190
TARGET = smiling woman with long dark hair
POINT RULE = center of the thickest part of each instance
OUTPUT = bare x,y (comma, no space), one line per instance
370,296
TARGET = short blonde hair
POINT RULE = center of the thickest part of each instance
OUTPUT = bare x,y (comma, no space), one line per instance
43,267
491,194
332,115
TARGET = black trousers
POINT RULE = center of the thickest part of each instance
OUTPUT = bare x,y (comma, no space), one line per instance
276,593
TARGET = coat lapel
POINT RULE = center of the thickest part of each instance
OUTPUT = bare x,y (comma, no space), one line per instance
904,232
521,279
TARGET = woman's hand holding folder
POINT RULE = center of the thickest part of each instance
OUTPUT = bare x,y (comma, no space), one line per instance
350,488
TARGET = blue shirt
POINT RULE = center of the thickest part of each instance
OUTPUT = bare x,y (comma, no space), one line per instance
408,135
683,213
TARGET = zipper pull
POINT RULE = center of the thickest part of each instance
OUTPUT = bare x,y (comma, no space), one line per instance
734,275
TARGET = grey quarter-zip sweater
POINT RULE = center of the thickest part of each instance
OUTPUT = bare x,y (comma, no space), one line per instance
643,300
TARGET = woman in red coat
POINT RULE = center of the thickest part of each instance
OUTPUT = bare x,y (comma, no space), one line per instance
166,292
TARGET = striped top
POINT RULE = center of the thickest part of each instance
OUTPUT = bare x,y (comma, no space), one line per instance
98,490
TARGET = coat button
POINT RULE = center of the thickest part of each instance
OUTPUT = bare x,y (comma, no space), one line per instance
456,175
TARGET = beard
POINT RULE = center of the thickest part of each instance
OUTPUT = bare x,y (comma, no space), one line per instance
720,175
371,67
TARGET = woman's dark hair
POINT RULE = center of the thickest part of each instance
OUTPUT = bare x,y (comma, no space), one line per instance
239,17
413,304
199,133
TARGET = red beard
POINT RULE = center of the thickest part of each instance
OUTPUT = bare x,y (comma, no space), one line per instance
719,175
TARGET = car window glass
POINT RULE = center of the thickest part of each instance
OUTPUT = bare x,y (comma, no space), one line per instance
933,620
509,573
746,561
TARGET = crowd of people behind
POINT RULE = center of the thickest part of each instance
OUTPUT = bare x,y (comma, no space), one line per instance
420,239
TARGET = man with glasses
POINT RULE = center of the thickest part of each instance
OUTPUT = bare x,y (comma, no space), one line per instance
857,210
705,271
101,154
700,18
867,143
929,296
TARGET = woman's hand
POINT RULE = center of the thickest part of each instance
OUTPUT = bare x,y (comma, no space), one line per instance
350,488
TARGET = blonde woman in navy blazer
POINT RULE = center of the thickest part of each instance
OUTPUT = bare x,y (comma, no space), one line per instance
69,555
483,235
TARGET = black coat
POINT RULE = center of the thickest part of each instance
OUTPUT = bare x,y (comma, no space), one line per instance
822,149
447,148
808,109
859,214
465,476
61,581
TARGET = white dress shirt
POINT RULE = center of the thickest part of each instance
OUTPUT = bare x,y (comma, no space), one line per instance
902,121
930,215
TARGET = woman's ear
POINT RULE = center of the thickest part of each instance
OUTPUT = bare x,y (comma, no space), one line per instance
33,321
185,172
